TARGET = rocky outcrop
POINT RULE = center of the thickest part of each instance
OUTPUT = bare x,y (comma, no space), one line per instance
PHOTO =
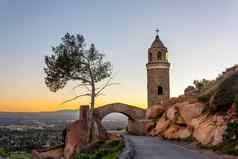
201,115
210,131
154,111
189,111
160,126
188,118
77,136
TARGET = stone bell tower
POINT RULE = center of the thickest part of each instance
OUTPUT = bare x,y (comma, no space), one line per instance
158,88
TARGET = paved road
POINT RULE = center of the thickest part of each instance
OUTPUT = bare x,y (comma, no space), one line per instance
153,148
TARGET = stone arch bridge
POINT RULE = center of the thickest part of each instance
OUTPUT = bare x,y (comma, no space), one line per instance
136,116
132,112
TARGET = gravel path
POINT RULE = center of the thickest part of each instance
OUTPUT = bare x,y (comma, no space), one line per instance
154,148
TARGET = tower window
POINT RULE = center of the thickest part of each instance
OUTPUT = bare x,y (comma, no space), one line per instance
150,56
160,90
159,55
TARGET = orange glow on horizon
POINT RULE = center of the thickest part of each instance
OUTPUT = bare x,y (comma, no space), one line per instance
40,107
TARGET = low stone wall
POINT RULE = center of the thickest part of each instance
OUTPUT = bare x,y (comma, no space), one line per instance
129,149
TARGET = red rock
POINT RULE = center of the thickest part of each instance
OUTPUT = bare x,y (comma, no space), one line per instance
76,138
161,125
154,112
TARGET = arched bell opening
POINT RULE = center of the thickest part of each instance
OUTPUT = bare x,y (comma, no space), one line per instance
160,90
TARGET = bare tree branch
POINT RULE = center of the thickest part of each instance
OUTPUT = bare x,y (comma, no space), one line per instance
100,94
107,84
85,85
74,98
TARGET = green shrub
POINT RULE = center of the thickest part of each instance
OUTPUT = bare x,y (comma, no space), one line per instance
204,98
231,134
225,95
4,152
203,84
20,155
110,149
188,139
230,143
231,149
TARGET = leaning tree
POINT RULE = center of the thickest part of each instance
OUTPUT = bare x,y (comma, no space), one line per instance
73,61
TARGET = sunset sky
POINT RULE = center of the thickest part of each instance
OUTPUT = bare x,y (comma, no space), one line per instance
201,36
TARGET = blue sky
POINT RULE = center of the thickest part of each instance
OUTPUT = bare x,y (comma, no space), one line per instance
201,37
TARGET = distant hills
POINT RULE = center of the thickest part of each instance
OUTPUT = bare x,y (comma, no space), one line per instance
25,117
112,121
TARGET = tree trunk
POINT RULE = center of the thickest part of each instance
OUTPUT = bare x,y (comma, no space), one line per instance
91,116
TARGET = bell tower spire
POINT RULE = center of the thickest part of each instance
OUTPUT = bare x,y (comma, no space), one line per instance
158,88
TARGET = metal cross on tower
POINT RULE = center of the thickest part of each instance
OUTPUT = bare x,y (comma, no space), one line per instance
157,32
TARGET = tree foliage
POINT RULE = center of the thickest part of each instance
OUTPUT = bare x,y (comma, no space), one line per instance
203,84
71,61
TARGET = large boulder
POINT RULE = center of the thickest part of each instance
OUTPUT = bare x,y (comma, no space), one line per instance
190,111
161,125
221,126
176,132
197,121
154,112
210,130
171,132
218,134
205,131
76,138
172,113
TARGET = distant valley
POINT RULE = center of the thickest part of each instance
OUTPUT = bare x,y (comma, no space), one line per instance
112,121
29,117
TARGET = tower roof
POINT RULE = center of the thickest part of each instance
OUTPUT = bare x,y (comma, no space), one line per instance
157,43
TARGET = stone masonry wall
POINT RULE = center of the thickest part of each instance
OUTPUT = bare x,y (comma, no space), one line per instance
157,77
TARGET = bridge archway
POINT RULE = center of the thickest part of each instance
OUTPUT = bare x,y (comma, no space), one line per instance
115,122
133,113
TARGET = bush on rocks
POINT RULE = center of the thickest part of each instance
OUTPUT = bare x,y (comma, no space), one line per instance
221,101
230,144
